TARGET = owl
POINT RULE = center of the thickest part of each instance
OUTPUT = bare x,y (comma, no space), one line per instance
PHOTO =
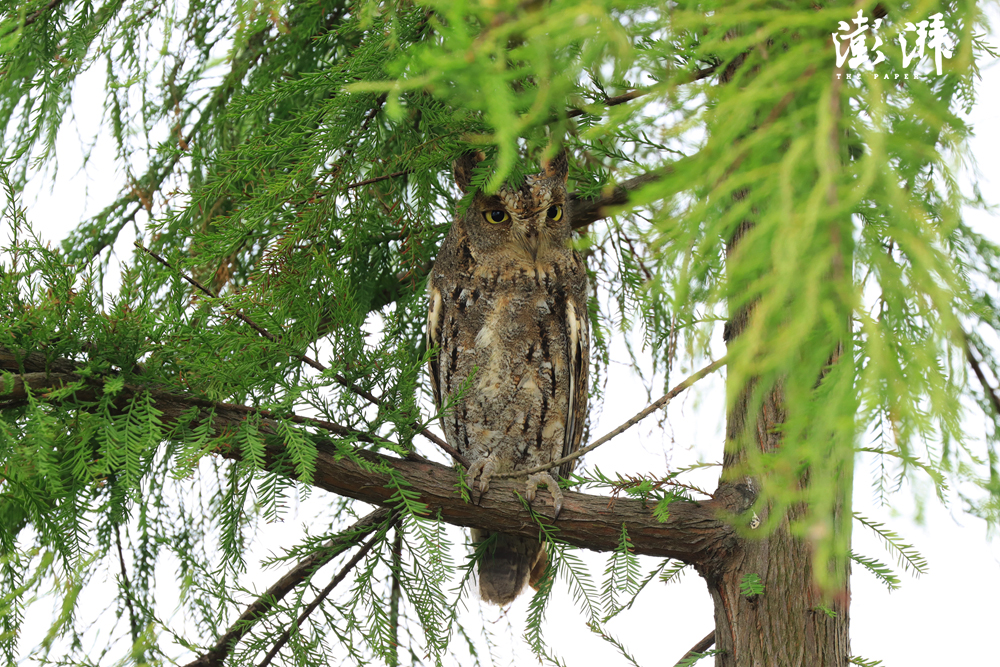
507,318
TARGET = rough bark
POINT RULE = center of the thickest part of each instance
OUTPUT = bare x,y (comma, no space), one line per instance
786,624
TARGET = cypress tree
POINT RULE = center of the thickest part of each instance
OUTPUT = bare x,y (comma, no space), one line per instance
286,169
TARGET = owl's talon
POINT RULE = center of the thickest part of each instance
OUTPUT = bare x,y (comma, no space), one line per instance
484,469
551,484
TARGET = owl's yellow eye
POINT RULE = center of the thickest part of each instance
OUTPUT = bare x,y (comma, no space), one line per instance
496,216
555,212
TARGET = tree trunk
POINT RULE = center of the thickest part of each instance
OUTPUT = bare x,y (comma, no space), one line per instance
790,622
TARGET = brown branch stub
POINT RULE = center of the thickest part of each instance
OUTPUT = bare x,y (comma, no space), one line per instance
585,211
702,646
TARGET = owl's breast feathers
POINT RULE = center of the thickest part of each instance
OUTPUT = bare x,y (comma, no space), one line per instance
512,352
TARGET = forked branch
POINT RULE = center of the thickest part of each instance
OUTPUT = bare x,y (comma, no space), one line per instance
223,647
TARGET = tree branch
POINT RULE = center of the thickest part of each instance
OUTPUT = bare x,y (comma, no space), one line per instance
697,75
584,211
127,588
696,650
217,655
609,102
344,571
28,20
694,533
983,382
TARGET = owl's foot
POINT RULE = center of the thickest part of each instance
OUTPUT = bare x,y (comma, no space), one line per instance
551,484
484,469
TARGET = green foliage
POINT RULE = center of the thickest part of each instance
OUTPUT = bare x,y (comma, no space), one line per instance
294,158
830,613
673,573
907,557
621,575
695,657
652,491
751,585
881,571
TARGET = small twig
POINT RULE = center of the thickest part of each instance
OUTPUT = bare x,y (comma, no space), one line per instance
263,604
132,620
350,146
653,407
631,482
369,181
977,369
609,102
700,647
344,571
395,596
638,257
689,487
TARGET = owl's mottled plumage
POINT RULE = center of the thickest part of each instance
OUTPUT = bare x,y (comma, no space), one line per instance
508,308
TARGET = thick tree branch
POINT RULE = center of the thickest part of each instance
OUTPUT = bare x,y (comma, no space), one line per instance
695,531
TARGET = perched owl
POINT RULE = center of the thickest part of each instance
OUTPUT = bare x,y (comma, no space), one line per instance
507,315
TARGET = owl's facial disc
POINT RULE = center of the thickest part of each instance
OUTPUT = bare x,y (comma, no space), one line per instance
533,214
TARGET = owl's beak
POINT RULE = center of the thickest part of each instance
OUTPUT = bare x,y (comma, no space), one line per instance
530,240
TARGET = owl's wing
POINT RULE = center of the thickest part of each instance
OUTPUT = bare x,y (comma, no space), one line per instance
578,332
434,326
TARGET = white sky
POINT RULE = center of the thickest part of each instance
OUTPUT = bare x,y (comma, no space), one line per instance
948,617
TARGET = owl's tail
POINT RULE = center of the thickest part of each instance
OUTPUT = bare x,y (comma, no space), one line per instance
509,563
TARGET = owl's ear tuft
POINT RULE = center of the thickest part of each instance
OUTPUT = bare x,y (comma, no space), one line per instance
463,167
558,166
